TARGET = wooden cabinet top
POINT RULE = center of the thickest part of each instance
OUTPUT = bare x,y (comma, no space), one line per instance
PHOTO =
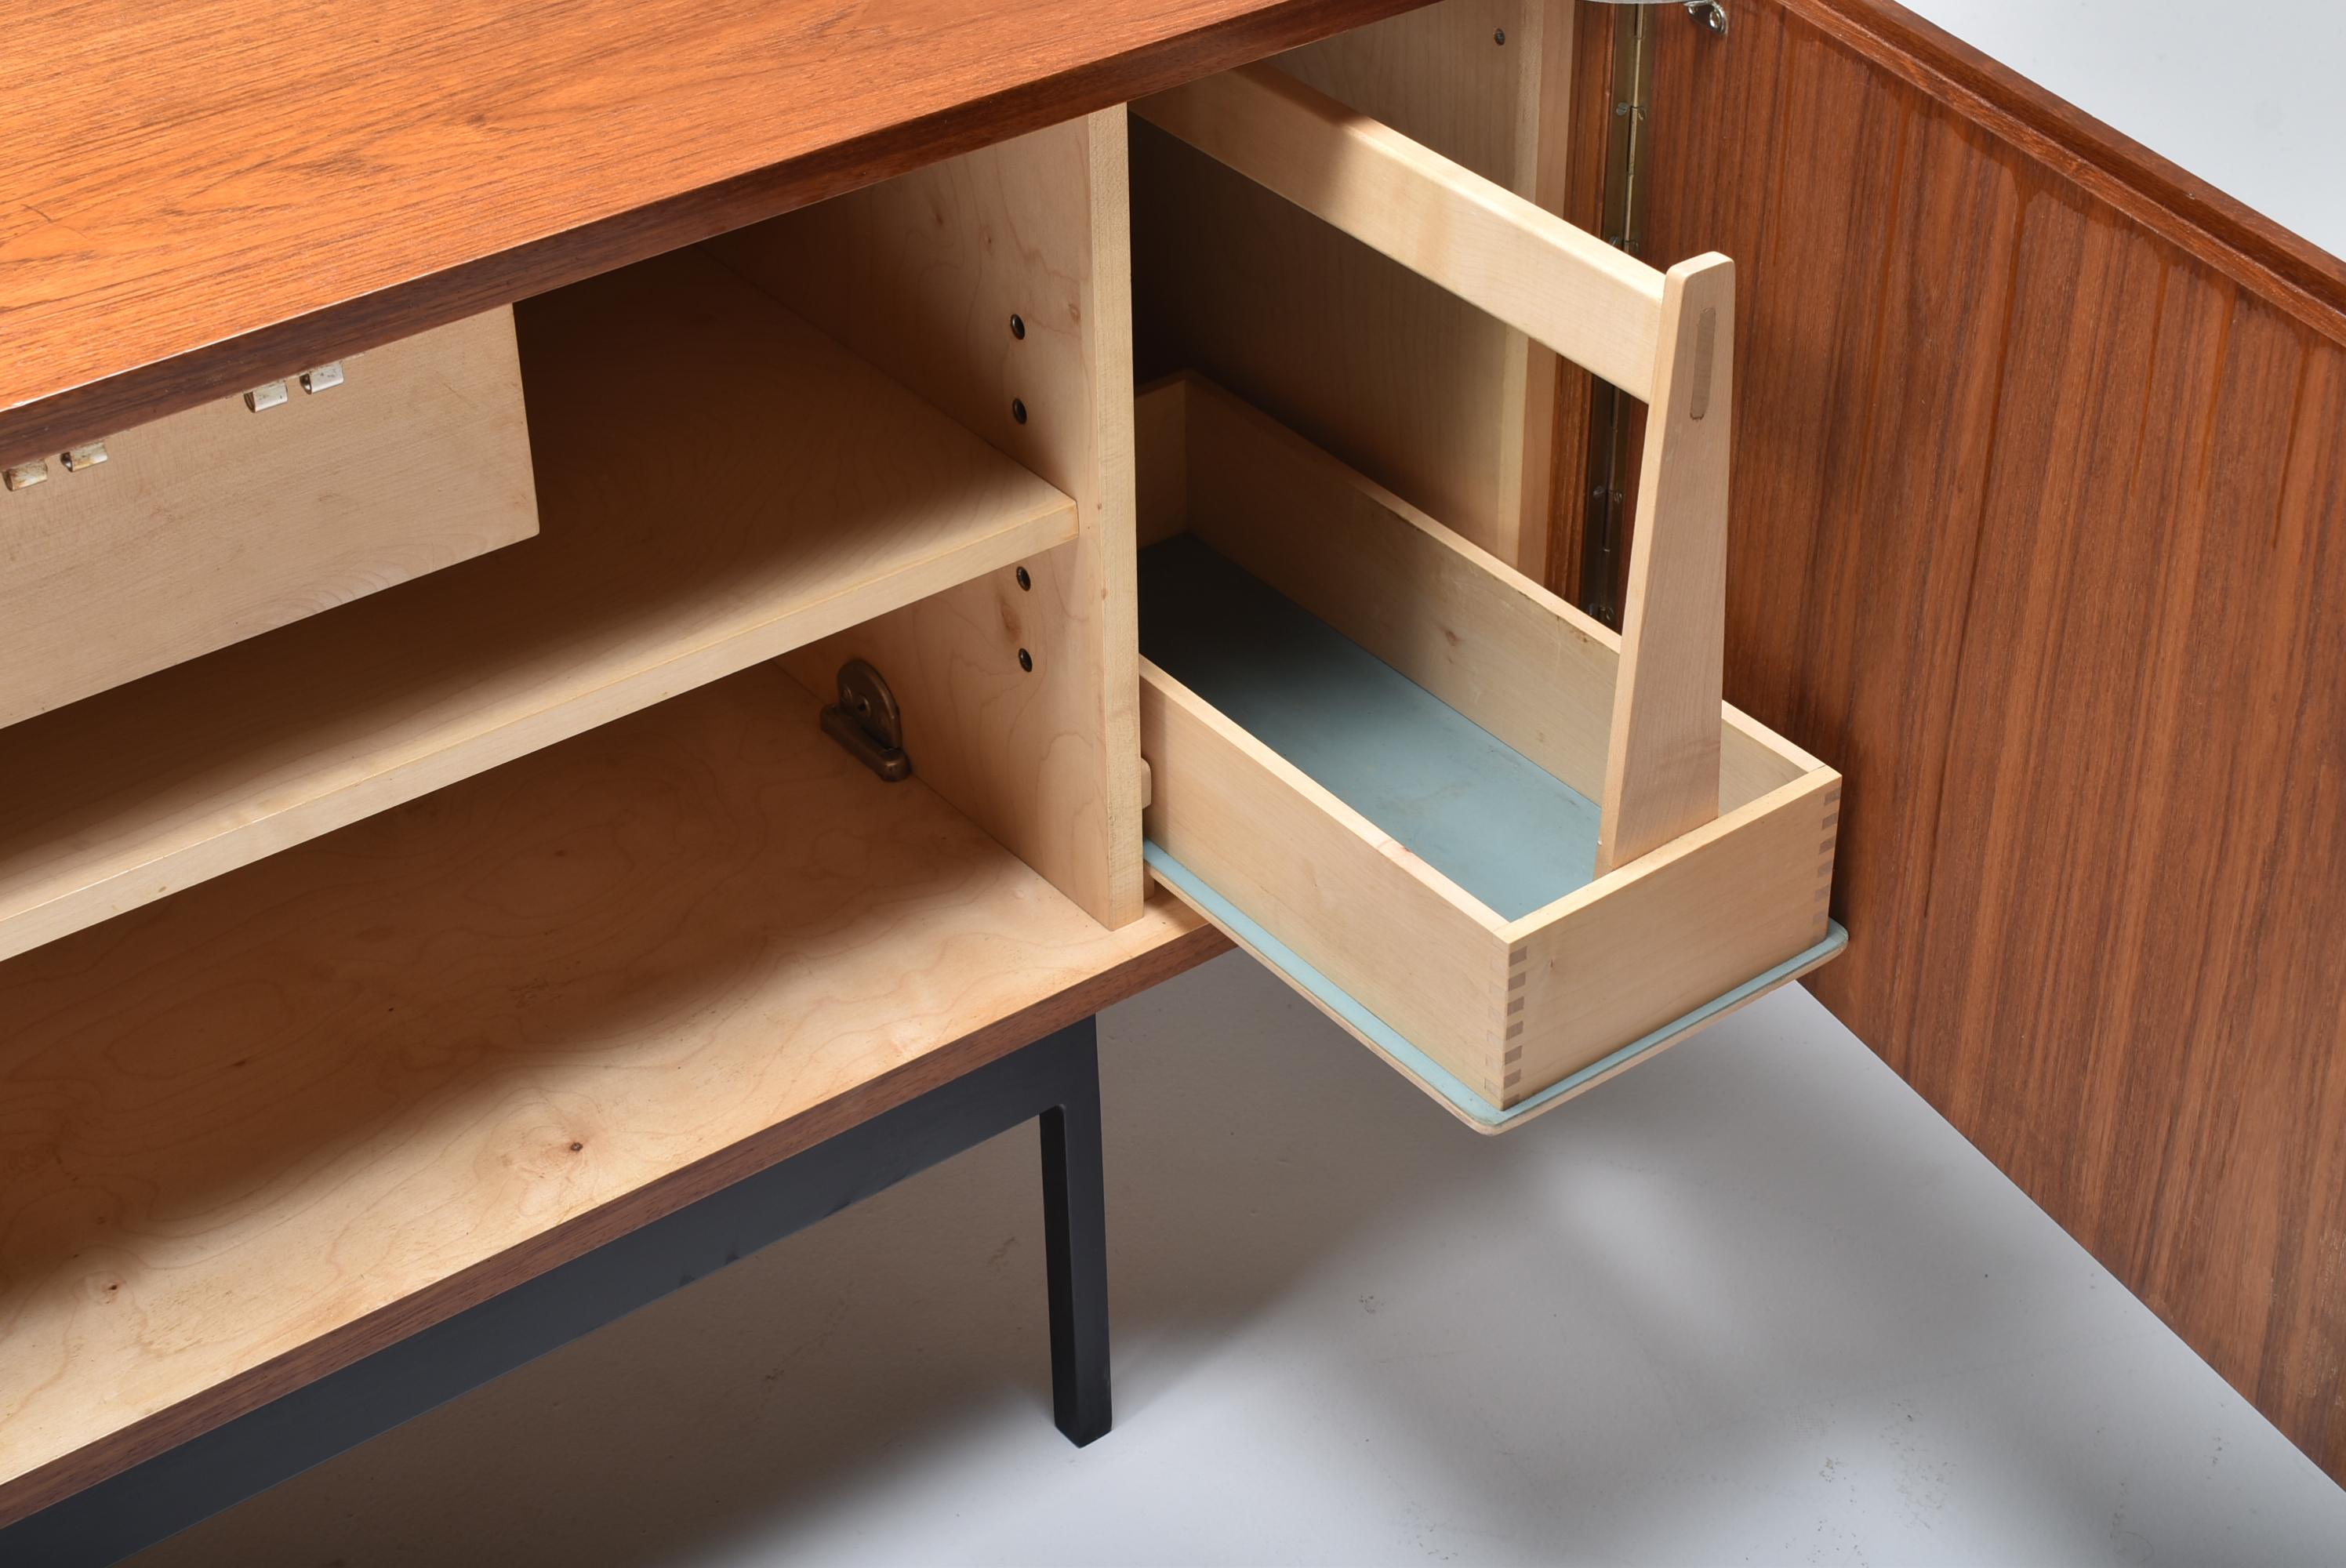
205,195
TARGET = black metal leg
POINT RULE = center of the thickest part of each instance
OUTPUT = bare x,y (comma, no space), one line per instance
1074,1241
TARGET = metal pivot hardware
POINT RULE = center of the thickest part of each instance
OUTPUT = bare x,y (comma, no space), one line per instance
866,720
1602,544
1611,461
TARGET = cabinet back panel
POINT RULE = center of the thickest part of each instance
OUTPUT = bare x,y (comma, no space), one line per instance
1408,385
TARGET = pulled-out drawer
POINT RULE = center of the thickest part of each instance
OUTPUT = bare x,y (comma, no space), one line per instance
1377,754
213,525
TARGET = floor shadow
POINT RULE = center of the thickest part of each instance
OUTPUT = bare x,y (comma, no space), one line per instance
1735,1237
817,1366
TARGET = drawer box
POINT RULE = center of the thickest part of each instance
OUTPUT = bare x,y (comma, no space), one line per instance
213,525
1376,754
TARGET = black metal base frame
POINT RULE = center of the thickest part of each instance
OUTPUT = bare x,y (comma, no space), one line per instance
1056,1079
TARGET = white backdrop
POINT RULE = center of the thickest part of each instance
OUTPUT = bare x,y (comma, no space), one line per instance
2247,98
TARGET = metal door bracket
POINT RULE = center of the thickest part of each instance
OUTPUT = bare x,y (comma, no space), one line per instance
1609,412
866,720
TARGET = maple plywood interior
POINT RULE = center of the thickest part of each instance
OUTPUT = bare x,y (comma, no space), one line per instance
503,924
997,286
240,1120
718,482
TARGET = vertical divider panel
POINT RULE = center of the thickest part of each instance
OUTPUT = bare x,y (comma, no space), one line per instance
922,275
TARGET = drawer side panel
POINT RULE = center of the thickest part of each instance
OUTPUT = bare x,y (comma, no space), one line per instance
1358,907
1668,931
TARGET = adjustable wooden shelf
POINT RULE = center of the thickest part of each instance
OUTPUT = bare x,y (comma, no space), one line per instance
362,971
718,484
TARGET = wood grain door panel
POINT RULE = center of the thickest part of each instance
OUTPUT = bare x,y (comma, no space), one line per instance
2039,534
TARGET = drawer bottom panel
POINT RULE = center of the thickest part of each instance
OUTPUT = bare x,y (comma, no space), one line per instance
1497,824
1429,1075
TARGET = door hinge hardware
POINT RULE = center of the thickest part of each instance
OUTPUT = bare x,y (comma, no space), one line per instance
1712,13
866,720
25,475
267,395
87,455
320,379
1609,413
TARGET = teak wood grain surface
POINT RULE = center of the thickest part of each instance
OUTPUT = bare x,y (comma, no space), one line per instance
198,197
2039,532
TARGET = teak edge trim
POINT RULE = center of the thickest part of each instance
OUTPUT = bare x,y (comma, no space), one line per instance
135,394
166,1429
2268,260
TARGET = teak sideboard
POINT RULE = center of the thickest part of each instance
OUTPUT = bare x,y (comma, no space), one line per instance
600,599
